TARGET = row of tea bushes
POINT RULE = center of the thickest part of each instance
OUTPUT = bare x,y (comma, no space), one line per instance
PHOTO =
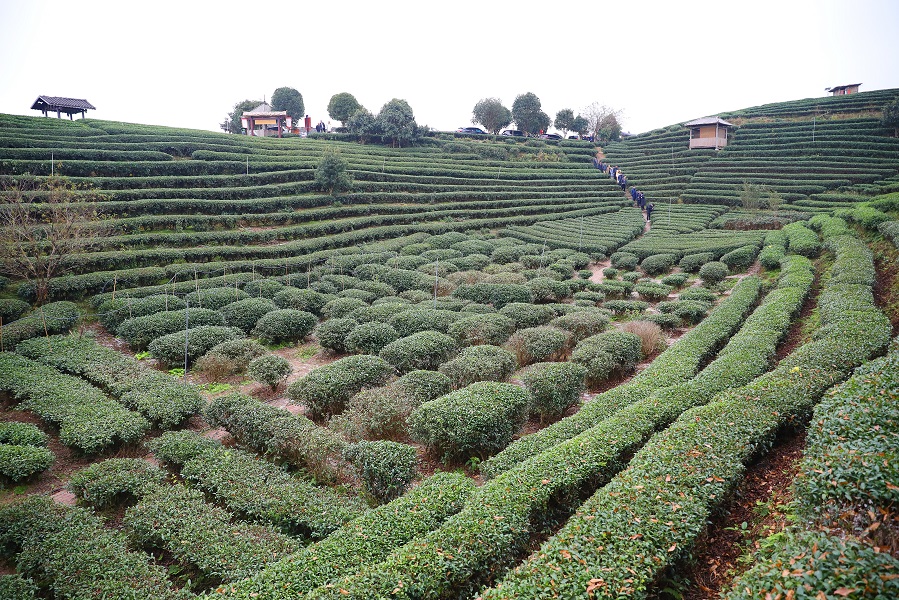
678,363
159,397
87,419
651,513
256,489
201,537
23,451
747,355
365,540
278,433
69,552
52,318
601,234
844,495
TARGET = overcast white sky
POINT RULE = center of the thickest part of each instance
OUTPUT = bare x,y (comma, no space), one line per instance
186,63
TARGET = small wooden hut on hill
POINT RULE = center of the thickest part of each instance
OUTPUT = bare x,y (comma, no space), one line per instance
708,132
842,90
60,105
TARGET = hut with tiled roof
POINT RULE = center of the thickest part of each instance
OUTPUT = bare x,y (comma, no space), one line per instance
60,105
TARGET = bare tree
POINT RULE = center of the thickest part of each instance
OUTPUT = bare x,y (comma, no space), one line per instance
604,122
44,222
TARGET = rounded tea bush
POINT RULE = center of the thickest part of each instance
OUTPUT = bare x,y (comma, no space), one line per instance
698,293
741,258
269,369
583,323
554,386
386,468
284,325
692,262
478,420
713,272
140,331
370,338
497,294
326,390
651,291
665,321
422,350
305,300
363,295
658,263
418,319
675,280
539,344
625,261
421,386
372,414
528,315
113,313
479,363
20,462
115,479
13,308
264,288
214,298
381,311
545,289
332,333
23,434
229,358
606,354
340,308
487,328
170,349
243,314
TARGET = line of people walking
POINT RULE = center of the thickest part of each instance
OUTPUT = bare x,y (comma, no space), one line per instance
637,196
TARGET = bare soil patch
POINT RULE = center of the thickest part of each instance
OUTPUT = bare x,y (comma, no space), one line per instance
722,553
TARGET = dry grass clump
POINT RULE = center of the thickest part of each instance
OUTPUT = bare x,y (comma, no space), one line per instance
651,337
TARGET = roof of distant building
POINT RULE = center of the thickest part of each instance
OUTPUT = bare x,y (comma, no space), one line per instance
708,121
60,103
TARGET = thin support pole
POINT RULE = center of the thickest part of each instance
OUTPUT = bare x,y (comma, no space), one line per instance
186,334
436,279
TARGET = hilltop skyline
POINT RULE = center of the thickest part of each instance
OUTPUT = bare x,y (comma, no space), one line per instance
186,65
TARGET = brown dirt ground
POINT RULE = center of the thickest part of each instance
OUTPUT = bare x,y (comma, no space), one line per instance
719,555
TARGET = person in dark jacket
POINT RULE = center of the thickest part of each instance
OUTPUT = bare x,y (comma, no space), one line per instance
649,208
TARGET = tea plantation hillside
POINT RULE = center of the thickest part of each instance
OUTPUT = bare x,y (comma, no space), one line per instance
816,154
480,372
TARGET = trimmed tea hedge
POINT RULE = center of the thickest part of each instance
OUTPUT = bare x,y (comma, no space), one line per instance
475,421
87,419
72,553
202,537
363,541
113,480
423,350
162,399
326,389
49,319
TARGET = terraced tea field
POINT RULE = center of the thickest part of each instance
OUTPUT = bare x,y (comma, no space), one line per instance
478,373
